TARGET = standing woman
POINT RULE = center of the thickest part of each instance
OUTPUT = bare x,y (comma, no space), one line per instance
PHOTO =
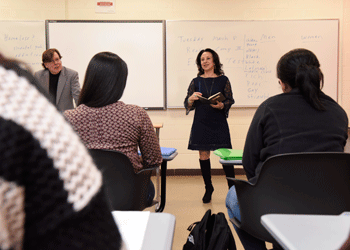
210,130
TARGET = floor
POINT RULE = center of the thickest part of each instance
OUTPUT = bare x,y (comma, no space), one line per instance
184,200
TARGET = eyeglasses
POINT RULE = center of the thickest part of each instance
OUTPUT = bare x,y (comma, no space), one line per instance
57,60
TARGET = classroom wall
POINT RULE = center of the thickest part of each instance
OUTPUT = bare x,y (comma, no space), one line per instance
177,125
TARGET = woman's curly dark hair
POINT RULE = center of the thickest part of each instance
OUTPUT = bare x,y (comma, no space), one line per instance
218,66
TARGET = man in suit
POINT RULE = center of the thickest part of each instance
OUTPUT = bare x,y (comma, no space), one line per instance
61,83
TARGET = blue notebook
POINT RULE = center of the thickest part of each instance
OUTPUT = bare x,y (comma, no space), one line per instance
165,151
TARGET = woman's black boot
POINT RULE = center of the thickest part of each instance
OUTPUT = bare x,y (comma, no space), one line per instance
209,189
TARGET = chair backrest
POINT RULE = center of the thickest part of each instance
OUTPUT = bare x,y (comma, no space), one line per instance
297,183
124,189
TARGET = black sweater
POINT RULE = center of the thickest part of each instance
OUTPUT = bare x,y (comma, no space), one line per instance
286,123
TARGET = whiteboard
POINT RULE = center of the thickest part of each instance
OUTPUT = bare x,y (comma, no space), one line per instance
139,43
23,41
249,52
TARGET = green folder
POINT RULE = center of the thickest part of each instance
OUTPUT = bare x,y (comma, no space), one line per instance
229,154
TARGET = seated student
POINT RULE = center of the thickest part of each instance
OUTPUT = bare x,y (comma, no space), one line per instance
301,119
104,122
50,189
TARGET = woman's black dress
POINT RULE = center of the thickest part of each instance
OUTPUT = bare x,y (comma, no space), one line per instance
210,130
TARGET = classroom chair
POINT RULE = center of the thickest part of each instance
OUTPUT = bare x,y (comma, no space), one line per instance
125,190
296,183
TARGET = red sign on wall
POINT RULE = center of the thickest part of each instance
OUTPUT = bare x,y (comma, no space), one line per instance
104,3
105,6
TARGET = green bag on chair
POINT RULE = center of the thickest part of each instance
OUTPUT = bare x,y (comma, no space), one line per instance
229,154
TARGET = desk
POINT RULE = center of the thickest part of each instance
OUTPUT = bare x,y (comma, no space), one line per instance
157,126
299,232
230,162
164,167
145,230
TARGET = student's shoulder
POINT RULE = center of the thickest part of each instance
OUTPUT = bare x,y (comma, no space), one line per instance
135,108
333,106
79,113
71,112
271,102
137,111
127,107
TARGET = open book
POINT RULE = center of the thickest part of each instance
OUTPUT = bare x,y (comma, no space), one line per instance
218,97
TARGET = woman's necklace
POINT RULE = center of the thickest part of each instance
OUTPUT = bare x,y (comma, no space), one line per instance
211,88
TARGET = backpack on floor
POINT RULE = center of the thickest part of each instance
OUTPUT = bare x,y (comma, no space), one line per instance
211,233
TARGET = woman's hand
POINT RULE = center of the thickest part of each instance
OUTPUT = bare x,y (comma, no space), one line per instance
194,97
218,105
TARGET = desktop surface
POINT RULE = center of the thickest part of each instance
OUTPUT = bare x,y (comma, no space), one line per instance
299,232
142,230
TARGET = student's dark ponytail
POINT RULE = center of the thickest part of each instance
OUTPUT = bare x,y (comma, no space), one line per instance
300,69
308,79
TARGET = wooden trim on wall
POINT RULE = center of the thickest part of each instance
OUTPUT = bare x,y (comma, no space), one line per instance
195,172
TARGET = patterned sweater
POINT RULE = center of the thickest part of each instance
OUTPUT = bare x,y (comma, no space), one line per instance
120,127
50,190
